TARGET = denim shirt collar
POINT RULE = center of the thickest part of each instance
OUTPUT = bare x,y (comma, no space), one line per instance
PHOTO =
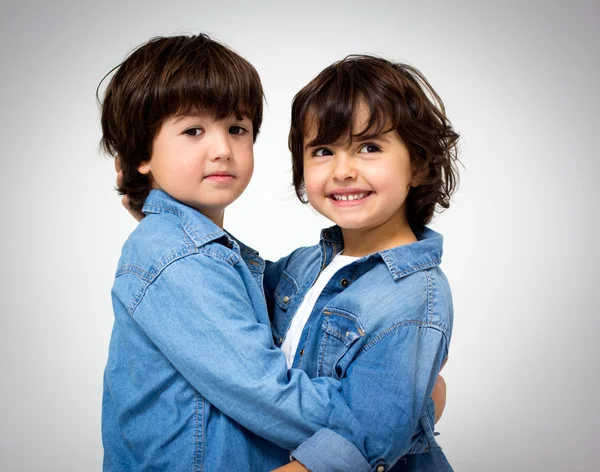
401,260
198,227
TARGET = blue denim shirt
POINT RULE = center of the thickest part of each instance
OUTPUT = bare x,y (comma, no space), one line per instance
193,379
382,325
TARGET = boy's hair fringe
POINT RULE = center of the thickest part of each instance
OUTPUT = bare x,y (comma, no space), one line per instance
398,97
165,77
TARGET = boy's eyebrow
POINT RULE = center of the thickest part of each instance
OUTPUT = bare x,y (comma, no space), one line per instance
204,115
192,114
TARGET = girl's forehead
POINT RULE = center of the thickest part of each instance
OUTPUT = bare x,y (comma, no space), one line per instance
328,127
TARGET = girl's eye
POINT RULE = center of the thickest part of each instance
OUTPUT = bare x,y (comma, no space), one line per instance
237,130
320,152
194,131
368,148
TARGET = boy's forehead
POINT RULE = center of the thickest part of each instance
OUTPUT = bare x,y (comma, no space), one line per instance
206,114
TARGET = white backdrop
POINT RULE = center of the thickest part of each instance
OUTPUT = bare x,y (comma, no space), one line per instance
519,80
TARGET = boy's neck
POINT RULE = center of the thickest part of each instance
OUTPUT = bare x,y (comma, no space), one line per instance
216,217
362,242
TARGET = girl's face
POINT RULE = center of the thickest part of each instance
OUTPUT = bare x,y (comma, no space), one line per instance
362,185
203,163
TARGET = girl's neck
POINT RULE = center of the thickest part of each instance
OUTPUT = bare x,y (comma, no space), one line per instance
361,242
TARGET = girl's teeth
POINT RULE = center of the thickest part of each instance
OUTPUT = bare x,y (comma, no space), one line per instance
349,197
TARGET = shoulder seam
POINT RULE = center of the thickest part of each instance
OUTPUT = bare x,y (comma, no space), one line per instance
231,260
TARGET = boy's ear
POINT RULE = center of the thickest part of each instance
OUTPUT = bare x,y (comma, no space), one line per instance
144,168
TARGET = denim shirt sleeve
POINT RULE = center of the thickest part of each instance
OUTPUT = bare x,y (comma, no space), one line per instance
200,316
387,387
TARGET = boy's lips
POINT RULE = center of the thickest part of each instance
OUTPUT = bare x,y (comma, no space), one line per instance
220,176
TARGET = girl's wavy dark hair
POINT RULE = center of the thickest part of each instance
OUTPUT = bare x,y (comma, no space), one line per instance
399,98
170,76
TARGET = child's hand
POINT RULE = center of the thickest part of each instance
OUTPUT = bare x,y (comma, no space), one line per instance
439,394
439,397
293,466
138,215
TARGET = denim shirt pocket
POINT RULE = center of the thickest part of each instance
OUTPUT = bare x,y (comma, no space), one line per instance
341,331
285,294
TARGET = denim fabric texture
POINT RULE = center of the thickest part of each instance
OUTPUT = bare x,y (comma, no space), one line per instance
382,326
193,380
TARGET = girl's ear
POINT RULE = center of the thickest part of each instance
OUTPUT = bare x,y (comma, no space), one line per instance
419,176
144,168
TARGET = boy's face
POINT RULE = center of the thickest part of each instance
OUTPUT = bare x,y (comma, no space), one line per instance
361,185
203,163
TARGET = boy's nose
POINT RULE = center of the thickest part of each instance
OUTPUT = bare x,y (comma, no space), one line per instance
221,148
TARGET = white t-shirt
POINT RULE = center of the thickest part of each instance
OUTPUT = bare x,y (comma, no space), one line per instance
292,338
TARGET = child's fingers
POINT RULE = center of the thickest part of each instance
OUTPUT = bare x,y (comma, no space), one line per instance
118,166
439,397
119,179
138,215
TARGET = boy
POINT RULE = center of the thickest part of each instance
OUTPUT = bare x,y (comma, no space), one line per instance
191,344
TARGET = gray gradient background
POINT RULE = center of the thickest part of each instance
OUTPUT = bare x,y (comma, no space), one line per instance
519,82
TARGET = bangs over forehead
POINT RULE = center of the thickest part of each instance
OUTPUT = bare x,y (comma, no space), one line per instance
351,102
209,78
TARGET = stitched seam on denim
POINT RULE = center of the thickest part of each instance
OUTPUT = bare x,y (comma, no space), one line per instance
429,296
324,255
189,240
349,316
292,282
166,260
160,209
413,269
184,222
203,443
137,299
134,270
322,355
396,327
196,427
289,278
231,259
304,347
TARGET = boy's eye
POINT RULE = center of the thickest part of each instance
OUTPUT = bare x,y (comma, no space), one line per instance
237,130
194,131
320,152
368,148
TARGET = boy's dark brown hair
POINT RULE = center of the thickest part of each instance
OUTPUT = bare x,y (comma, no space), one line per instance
171,76
399,98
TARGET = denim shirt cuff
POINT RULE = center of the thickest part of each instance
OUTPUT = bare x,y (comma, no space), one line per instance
328,451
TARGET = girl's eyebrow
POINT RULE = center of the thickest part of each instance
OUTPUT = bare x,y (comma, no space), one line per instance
383,136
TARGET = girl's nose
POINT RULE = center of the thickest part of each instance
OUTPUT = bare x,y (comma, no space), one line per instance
344,169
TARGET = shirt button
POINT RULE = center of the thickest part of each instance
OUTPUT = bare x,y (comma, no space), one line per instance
279,340
380,468
301,352
327,234
286,299
344,283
